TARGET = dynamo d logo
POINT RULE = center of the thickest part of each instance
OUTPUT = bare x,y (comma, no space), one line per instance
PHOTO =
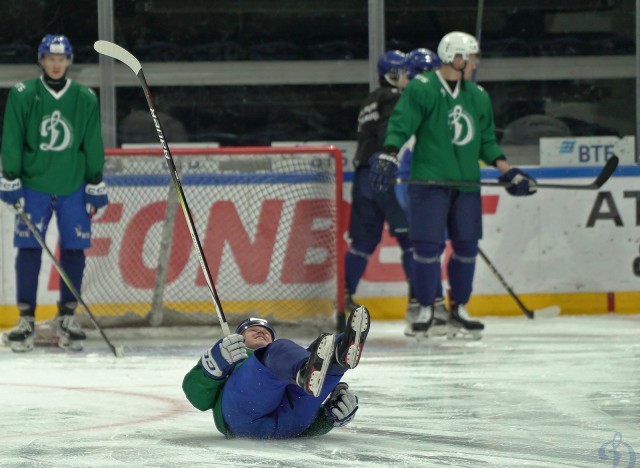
57,130
618,453
462,126
566,147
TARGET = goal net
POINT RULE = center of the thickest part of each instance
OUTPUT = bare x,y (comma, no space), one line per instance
268,220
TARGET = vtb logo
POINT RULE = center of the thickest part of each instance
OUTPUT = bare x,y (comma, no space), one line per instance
57,130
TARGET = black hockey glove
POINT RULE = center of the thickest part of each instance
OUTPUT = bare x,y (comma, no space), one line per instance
341,406
218,362
522,183
384,168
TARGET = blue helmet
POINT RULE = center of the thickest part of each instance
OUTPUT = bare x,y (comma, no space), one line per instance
55,44
419,61
255,322
390,62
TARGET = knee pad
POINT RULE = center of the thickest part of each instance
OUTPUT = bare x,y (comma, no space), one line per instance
427,252
464,251
362,248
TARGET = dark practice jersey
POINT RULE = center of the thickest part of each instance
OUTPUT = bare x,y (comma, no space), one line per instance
372,122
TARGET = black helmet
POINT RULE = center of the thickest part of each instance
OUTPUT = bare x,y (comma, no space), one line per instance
255,322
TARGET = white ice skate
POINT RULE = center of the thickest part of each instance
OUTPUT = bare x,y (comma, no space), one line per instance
410,316
70,335
440,326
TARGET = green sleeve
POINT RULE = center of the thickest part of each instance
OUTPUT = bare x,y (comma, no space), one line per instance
319,426
14,130
92,144
201,390
407,114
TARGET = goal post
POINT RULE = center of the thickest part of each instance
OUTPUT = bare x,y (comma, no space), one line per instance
268,218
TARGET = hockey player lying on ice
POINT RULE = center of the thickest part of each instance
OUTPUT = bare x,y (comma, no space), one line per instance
263,388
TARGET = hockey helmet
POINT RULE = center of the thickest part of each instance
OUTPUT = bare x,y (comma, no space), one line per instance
457,43
390,61
57,44
420,60
255,322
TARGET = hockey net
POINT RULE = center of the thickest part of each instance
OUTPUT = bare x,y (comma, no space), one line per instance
268,220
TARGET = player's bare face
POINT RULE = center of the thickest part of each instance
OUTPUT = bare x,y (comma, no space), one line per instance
257,337
55,65
471,66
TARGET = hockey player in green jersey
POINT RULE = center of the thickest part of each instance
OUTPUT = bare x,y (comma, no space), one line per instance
452,120
52,161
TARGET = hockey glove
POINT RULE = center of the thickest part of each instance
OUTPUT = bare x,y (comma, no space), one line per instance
220,360
522,183
12,194
384,167
341,407
95,197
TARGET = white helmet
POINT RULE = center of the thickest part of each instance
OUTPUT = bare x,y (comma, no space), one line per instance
455,43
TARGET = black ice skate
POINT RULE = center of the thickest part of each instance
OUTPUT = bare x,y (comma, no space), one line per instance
410,316
70,335
349,349
439,326
21,338
311,376
461,325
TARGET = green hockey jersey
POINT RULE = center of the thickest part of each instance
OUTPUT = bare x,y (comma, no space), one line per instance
51,140
453,129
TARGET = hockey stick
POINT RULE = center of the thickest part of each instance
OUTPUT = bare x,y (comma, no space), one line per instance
608,169
117,351
546,312
115,51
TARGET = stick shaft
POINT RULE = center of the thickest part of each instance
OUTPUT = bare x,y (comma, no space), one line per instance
183,203
515,297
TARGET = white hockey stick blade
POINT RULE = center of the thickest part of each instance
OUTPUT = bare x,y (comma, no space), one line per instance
547,312
115,51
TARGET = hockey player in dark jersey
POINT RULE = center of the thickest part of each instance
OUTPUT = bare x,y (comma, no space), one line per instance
52,161
370,210
261,387
452,120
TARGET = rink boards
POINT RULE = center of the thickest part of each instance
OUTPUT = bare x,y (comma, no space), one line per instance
578,249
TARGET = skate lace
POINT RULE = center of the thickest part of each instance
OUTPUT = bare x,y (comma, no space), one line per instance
462,312
69,324
26,325
425,314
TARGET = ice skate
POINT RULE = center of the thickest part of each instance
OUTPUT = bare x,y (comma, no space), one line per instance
440,319
410,316
21,338
461,325
423,322
311,376
70,335
349,349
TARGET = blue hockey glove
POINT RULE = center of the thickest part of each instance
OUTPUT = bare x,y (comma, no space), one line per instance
95,197
225,354
11,193
341,407
384,167
522,183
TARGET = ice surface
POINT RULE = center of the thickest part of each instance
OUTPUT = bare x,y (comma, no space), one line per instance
530,393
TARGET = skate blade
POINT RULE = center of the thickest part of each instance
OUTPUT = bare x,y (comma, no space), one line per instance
463,334
360,324
324,352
